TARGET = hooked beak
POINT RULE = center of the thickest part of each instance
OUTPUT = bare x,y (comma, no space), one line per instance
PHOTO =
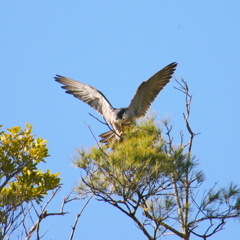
118,120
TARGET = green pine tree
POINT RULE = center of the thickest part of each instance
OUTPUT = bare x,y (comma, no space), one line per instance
156,182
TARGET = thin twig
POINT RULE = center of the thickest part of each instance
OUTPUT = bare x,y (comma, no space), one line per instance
43,215
99,146
77,217
105,123
88,126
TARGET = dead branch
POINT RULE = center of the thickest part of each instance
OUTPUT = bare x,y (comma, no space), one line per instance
43,214
105,123
183,87
78,216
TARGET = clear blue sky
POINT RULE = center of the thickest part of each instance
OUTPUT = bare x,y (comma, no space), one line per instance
114,46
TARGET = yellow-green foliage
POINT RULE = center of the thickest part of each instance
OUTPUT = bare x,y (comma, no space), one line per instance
20,180
138,163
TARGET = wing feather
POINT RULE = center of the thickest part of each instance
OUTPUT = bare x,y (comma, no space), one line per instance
148,91
87,94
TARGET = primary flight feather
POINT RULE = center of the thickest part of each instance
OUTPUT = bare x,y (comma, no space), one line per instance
117,117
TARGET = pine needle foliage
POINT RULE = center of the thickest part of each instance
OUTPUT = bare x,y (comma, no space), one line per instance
155,184
137,164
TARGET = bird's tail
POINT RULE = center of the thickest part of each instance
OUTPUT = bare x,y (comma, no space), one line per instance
109,136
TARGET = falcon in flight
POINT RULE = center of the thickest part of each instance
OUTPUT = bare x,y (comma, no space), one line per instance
117,118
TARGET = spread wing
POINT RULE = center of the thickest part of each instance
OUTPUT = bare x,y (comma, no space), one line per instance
148,91
87,94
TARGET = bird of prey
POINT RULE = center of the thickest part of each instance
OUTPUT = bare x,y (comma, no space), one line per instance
118,117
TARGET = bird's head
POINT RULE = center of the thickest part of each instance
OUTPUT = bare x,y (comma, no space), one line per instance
120,115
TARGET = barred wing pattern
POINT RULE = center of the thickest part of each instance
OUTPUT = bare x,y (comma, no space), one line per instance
148,91
87,94
141,102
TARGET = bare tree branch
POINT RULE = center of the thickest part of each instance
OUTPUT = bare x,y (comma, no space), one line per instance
77,217
105,123
43,214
